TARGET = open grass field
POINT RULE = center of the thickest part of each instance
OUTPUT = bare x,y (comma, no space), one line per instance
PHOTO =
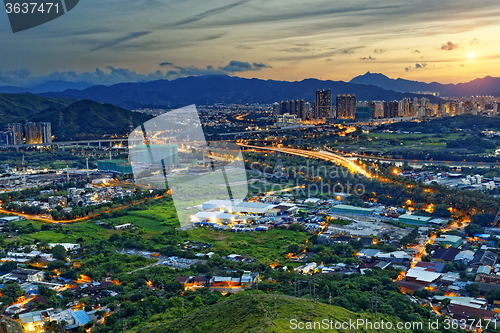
88,230
153,220
159,218
264,245
422,140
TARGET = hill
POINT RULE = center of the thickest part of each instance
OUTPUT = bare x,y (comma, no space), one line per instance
223,89
48,86
19,107
255,313
481,86
88,119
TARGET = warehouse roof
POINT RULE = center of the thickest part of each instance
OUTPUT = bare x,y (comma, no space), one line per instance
415,218
349,207
422,275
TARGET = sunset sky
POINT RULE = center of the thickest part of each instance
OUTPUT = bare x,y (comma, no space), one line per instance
111,41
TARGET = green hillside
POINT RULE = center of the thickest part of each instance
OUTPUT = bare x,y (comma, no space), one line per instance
87,119
18,107
256,313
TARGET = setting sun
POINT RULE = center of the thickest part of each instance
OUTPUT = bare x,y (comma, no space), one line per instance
471,55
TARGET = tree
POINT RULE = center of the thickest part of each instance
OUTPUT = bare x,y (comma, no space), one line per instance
51,326
294,248
473,229
198,302
59,252
493,295
484,219
473,289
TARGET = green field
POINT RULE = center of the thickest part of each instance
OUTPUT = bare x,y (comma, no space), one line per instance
266,246
426,140
87,230
156,219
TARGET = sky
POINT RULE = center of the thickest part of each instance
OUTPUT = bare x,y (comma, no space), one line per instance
112,41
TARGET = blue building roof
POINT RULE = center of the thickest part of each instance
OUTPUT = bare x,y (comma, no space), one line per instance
81,317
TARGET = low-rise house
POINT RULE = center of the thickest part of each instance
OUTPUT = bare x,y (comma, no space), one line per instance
484,270
22,274
399,257
487,282
484,258
72,318
460,312
123,226
33,321
448,254
449,240
433,266
369,254
422,275
464,257
67,246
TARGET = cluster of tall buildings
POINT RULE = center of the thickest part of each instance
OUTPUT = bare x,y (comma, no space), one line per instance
347,107
299,108
322,107
28,133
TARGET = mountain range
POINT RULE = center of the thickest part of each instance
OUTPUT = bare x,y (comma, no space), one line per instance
223,89
485,86
48,86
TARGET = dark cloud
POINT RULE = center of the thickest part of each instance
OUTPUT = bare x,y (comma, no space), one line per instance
416,51
198,17
367,58
449,46
107,76
130,36
299,49
417,66
206,14
328,54
379,51
212,37
346,51
240,66
111,75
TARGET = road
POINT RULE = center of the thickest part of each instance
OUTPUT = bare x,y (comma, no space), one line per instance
323,155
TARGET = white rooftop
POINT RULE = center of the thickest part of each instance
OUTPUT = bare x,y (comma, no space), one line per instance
420,274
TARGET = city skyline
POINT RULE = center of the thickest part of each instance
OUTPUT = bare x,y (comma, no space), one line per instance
425,41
